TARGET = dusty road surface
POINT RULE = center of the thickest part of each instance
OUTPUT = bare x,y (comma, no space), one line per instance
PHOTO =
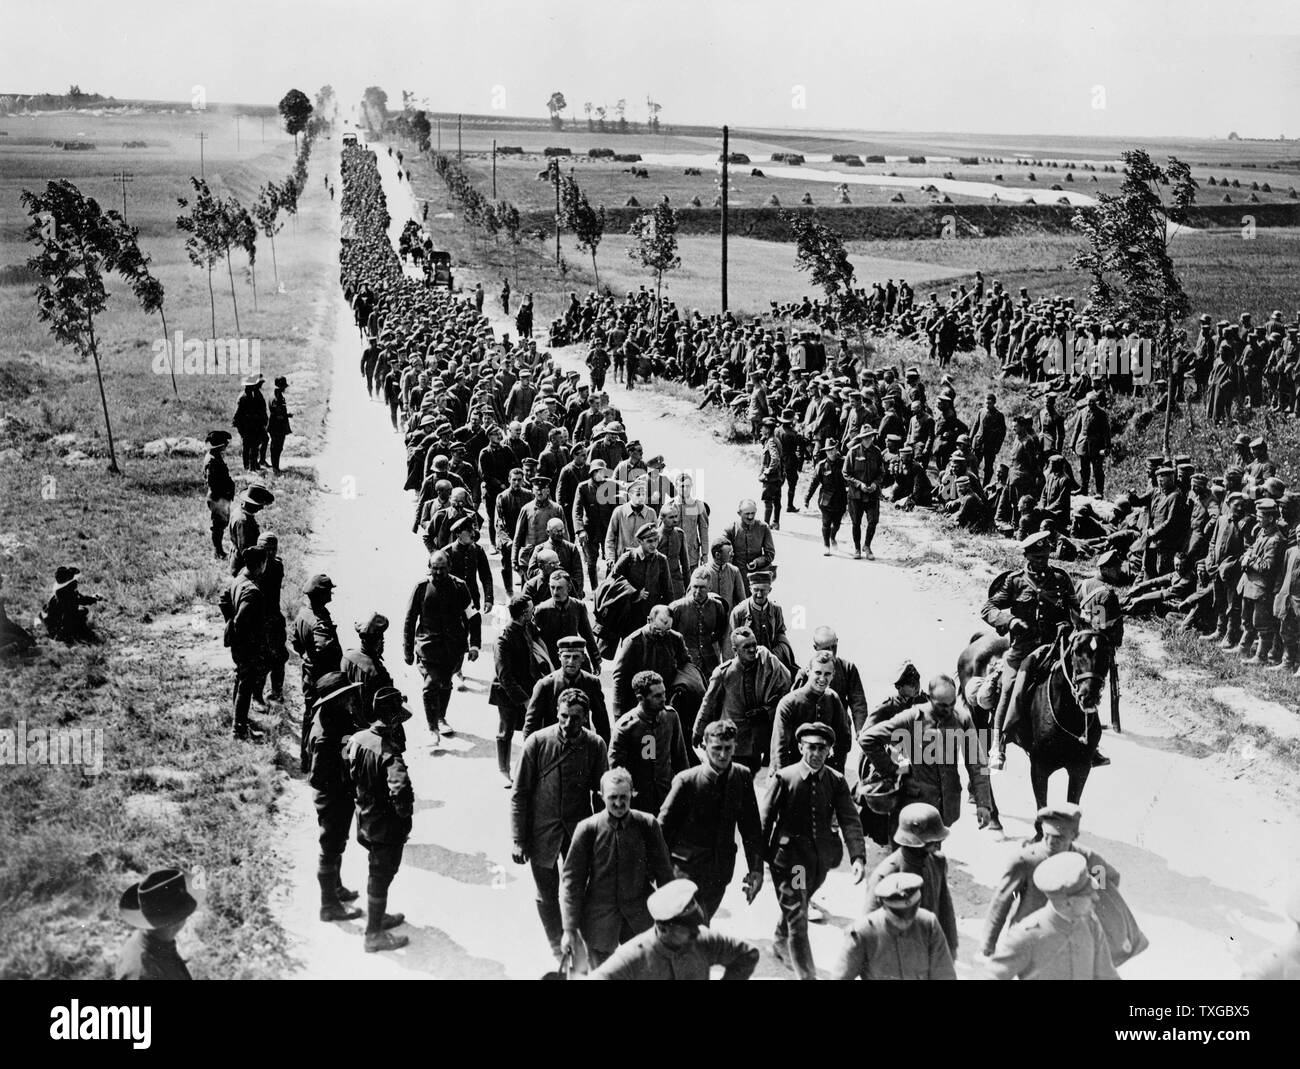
1206,855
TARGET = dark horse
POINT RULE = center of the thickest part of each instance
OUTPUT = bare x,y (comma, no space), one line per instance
1058,726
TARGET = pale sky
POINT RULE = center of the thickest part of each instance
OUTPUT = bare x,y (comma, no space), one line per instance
1163,67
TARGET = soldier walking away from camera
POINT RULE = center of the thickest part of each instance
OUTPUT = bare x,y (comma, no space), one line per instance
385,804
316,641
157,908
800,812
338,713
221,488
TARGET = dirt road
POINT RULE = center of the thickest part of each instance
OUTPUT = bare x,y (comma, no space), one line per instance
1206,858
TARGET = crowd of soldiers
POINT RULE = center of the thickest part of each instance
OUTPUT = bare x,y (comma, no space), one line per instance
1214,542
628,818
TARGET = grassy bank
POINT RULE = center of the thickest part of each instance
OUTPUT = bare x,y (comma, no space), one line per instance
175,788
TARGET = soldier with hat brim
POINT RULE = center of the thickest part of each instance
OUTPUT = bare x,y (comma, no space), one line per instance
1032,606
1017,896
337,714
802,843
221,488
250,421
244,528
157,908
897,940
366,665
316,641
1063,940
919,836
385,803
832,493
679,946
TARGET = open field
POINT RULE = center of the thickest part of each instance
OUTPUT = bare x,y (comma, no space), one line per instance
175,788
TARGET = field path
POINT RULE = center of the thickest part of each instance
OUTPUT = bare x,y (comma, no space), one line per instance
1205,859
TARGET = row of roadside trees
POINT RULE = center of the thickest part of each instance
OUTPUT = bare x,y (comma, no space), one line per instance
79,245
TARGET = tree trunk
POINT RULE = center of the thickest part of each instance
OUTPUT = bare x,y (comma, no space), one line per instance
212,303
231,272
594,269
103,399
171,360
252,270
274,266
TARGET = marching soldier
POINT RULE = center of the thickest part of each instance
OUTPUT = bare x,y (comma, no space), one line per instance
442,629
543,705
750,540
745,690
704,808
920,835
613,861
801,841
678,947
366,665
812,702
648,741
1064,939
898,940
559,774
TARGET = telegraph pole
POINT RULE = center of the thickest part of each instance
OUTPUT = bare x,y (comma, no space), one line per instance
726,152
458,152
494,168
201,138
123,177
439,122
556,164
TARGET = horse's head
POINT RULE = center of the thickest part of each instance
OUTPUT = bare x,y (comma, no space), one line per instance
1088,661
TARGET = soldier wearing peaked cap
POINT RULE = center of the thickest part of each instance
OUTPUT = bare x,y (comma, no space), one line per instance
1064,939
899,939
678,947
1261,575
1032,606
799,814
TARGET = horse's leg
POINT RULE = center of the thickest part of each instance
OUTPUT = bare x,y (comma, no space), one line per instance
1039,774
1078,773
